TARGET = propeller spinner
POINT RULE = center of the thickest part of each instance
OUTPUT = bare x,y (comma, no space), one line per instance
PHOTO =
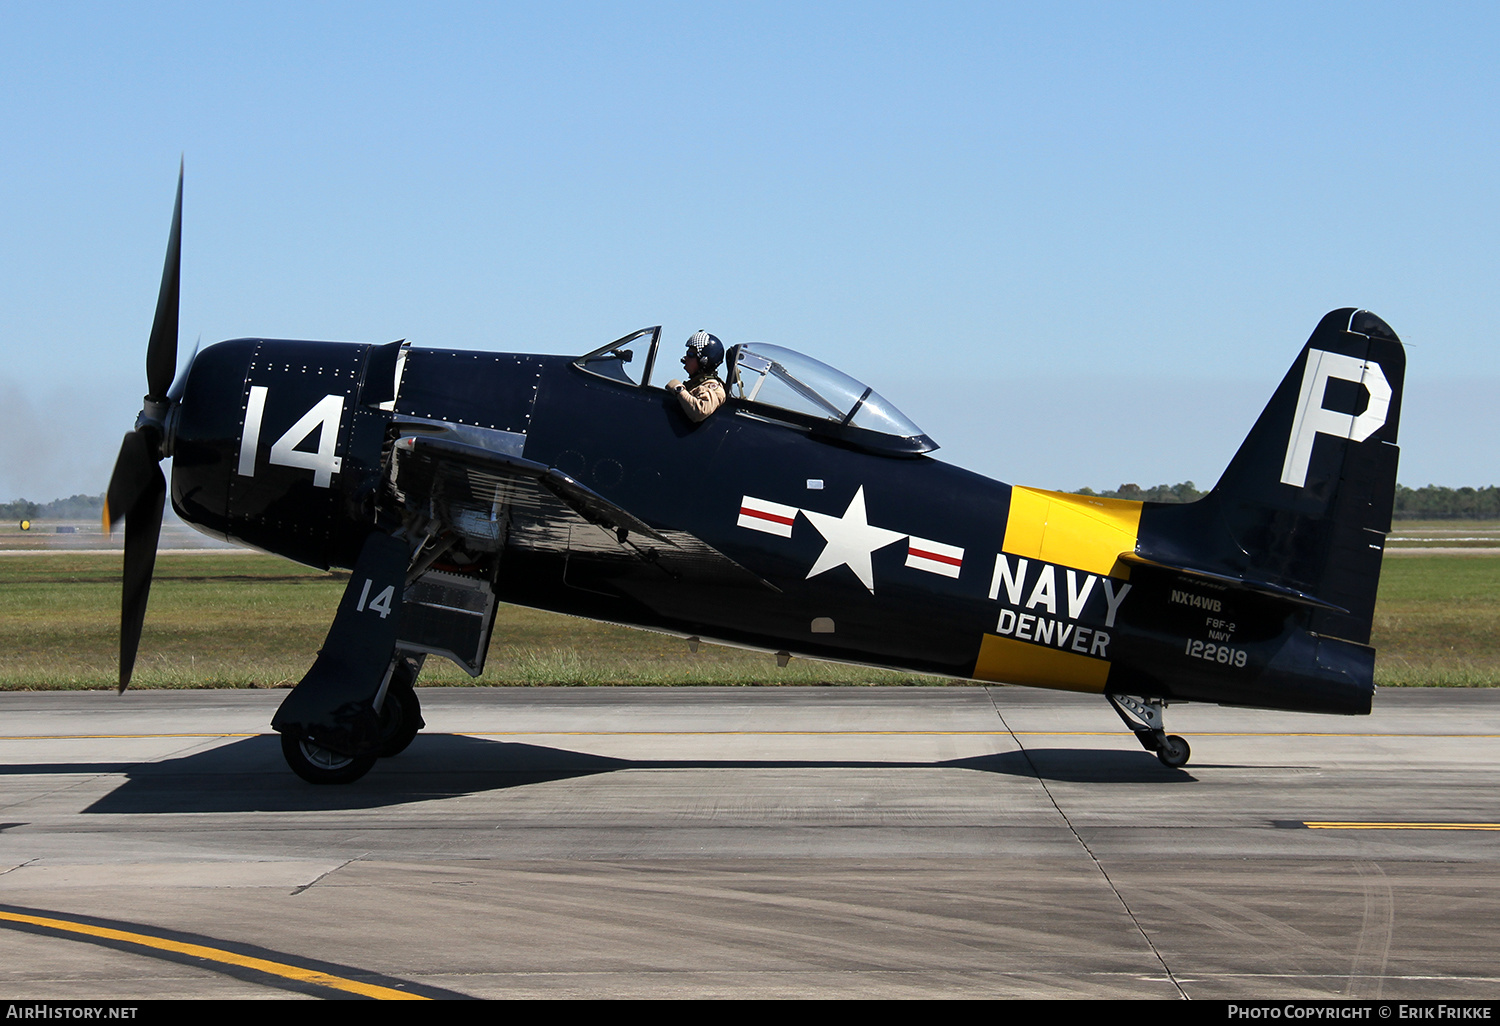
137,488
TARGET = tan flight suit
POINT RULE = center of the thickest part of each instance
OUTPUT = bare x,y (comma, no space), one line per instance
702,395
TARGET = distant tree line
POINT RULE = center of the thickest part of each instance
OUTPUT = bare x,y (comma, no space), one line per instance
1433,502
1437,503
74,507
1184,492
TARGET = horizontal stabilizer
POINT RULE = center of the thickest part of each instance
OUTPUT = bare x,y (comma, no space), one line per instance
1266,588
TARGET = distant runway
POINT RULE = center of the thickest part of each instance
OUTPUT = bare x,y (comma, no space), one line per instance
752,842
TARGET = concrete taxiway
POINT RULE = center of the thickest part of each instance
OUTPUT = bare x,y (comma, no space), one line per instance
870,842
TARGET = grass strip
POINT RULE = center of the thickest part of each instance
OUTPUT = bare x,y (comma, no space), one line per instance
238,620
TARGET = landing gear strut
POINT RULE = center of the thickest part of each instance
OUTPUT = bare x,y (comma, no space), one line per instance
401,712
1143,717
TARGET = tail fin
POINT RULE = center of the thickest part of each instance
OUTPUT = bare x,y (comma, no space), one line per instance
1304,508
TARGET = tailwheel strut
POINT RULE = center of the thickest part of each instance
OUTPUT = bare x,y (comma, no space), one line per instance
1144,718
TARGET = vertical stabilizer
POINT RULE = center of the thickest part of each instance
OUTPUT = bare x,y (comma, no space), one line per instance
1305,504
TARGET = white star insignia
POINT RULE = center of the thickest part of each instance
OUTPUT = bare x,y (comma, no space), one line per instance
850,540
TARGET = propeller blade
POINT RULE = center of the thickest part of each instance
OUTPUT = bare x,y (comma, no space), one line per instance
137,488
142,530
178,386
161,352
134,468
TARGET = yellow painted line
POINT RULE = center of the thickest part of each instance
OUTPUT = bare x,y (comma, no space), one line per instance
762,733
1402,826
916,733
282,969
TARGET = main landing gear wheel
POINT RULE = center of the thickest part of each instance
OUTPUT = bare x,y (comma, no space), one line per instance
400,719
1174,752
317,765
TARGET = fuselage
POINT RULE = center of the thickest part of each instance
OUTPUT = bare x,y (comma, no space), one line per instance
848,553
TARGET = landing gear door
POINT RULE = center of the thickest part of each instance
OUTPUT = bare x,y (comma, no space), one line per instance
449,615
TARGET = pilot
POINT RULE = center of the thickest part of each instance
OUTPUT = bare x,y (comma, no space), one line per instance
704,392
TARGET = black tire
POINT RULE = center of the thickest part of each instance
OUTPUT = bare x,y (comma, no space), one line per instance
400,719
317,765
1175,752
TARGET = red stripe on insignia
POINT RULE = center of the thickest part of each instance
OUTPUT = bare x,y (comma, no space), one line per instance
935,557
746,511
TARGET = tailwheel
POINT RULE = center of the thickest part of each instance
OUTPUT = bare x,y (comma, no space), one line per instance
1143,715
318,765
1174,752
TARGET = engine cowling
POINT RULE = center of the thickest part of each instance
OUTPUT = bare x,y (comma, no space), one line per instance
277,444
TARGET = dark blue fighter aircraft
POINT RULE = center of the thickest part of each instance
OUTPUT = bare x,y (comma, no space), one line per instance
813,523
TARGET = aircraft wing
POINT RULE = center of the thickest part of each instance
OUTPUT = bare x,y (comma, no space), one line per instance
493,499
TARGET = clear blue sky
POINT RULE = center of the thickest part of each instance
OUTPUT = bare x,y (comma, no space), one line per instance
1078,243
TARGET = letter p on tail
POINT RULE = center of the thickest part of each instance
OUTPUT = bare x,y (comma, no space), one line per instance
1313,417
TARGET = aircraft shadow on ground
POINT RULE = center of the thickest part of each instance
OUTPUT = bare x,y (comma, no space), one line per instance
250,776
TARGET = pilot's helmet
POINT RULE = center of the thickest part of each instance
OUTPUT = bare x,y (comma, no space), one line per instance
707,348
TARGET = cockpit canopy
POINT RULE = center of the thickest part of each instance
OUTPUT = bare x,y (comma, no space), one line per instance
769,375
780,385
